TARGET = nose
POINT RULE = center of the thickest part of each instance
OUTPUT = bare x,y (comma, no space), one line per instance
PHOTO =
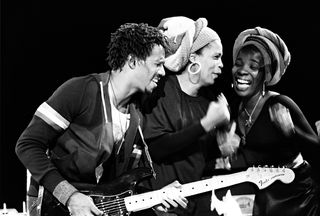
220,66
161,71
242,70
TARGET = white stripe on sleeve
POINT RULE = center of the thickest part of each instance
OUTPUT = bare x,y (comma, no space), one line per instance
51,117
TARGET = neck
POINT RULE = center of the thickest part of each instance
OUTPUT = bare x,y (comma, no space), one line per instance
186,86
250,102
120,90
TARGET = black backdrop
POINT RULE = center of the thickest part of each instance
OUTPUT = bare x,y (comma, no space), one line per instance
43,43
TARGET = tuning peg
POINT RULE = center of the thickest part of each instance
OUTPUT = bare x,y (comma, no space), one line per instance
258,168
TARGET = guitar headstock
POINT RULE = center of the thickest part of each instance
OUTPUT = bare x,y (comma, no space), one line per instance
265,176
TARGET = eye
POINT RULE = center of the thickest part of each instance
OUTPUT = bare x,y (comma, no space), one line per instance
254,67
218,56
238,64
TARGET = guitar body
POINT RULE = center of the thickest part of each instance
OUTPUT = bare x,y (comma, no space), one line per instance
107,197
51,206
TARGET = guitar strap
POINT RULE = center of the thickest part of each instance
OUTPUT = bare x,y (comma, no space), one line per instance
137,152
135,157
146,150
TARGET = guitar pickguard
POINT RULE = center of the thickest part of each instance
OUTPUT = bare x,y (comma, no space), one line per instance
112,205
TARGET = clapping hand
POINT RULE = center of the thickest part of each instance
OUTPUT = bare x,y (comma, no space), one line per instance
217,114
228,141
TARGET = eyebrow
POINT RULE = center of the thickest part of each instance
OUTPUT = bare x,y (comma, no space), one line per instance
256,61
161,59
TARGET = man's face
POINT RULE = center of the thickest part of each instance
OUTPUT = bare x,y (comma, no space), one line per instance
151,69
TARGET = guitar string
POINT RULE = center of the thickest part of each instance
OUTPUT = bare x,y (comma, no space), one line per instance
112,207
115,204
114,210
113,201
109,205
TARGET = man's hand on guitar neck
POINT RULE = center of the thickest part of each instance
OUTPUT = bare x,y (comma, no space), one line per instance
172,199
82,205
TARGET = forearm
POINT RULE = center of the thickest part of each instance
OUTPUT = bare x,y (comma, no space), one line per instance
31,149
170,143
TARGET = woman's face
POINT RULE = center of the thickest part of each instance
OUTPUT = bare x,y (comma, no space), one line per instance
247,73
211,62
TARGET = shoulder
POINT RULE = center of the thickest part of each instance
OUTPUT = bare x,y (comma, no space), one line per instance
275,97
81,80
76,85
285,101
74,91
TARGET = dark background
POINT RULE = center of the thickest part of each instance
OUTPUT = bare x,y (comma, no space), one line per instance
43,43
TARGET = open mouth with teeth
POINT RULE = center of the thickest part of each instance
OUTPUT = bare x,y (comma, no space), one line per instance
155,80
242,84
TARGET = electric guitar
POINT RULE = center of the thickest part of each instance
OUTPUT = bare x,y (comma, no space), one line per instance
117,197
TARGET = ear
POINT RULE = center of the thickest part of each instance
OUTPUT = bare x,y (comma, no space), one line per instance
192,57
131,61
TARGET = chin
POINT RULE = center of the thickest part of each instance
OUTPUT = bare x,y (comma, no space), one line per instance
241,93
148,90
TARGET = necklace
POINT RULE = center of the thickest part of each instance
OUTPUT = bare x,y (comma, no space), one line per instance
120,129
249,120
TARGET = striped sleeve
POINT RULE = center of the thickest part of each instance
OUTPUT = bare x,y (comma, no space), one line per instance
52,117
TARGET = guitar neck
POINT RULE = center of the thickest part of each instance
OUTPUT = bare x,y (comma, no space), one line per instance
215,182
147,200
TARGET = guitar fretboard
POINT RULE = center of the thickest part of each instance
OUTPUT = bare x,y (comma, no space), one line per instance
217,182
150,199
261,177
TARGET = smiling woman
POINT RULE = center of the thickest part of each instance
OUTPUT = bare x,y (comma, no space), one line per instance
273,129
181,116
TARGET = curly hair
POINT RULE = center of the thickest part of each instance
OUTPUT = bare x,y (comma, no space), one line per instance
133,39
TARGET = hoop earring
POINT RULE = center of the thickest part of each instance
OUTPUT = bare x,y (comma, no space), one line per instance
197,71
232,85
263,89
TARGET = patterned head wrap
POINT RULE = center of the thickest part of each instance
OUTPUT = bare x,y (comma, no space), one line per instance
275,53
185,36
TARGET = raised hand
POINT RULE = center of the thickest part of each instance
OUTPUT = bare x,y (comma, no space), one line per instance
228,141
217,114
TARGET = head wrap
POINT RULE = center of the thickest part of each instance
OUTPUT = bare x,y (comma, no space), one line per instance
185,36
275,53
